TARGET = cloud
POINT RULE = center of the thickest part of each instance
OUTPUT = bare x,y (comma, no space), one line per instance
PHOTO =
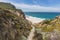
4,0
32,8
1,0
36,8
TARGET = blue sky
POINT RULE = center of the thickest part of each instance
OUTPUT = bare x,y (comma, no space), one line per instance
36,5
39,2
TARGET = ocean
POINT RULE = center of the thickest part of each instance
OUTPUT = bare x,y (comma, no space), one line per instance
47,15
39,16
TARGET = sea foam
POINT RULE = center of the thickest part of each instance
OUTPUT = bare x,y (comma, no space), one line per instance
34,19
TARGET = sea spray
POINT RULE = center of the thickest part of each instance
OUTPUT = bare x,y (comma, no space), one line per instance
31,34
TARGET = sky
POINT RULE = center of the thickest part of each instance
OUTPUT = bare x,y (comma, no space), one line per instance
36,5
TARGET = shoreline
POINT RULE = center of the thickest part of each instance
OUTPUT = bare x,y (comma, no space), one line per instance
34,19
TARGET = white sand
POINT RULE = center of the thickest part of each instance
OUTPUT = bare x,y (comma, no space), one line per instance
34,19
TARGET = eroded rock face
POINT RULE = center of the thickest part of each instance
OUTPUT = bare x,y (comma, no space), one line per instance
19,11
12,26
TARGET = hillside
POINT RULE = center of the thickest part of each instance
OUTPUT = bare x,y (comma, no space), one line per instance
49,25
13,25
7,6
50,29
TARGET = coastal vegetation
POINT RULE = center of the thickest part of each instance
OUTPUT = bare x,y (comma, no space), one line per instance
12,25
49,28
7,6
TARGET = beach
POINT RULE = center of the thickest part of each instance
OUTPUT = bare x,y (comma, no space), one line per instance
34,19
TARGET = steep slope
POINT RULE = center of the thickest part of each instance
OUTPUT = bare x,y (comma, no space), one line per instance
10,7
12,26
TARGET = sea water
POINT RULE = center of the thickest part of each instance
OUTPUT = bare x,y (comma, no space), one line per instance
36,17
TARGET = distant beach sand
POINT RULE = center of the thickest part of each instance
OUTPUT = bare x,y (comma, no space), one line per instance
34,19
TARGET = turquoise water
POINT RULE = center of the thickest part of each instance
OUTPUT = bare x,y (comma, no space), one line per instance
47,15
